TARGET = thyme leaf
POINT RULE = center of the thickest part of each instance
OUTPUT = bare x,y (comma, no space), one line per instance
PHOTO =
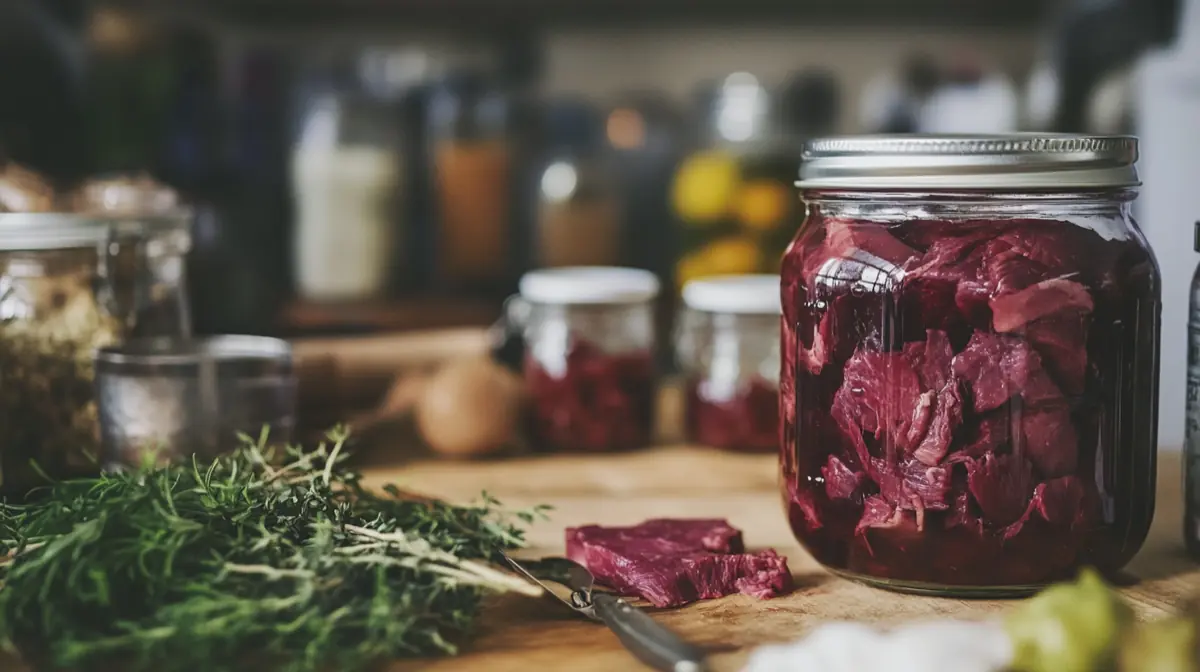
269,555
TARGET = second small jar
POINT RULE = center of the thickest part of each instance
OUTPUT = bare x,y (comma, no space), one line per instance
728,349
589,357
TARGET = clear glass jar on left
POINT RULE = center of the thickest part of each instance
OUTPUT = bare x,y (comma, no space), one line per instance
589,357
71,283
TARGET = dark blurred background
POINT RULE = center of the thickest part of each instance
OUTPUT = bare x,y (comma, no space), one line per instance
365,165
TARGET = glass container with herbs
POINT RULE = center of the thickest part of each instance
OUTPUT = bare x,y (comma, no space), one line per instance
70,283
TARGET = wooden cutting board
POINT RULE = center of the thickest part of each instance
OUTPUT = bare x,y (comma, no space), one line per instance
519,634
682,481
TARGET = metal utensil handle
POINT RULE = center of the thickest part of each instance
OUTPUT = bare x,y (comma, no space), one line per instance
645,638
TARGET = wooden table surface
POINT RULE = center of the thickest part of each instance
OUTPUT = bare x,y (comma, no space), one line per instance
682,481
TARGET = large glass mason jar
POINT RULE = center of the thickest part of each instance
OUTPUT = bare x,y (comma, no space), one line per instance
970,361
589,356
69,284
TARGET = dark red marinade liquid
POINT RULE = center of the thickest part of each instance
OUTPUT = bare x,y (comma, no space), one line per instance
601,402
969,404
746,421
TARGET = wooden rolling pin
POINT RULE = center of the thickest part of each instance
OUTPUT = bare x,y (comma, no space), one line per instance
338,376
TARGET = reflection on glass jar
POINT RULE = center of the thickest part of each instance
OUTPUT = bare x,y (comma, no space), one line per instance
728,350
589,357
970,361
70,284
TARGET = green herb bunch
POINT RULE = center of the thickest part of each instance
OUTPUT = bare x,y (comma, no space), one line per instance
267,556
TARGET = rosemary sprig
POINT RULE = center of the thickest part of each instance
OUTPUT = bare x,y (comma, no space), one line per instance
266,555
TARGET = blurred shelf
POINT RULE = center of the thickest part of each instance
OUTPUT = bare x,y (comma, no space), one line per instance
475,14
305,318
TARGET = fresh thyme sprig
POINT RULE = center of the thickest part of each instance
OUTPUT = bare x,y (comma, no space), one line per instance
267,555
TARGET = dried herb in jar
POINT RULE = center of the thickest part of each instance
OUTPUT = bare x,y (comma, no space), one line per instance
50,324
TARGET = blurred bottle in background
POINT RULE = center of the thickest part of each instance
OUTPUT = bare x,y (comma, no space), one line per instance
734,200
645,134
970,98
130,89
717,203
347,176
518,53
239,270
473,161
891,101
646,140
42,71
402,81
927,95
579,213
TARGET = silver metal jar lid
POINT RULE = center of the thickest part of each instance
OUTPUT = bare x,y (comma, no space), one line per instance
1017,161
233,350
61,231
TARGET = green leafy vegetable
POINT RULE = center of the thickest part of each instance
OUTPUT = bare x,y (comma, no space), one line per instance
267,555
1069,627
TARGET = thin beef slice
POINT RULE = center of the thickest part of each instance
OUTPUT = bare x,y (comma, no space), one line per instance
947,416
880,392
913,486
1062,502
990,434
840,481
1011,312
1002,486
1058,247
1050,440
931,286
670,562
844,412
878,512
931,358
997,367
849,239
1061,340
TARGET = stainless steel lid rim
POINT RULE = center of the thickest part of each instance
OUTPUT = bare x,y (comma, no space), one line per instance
974,144
1034,161
156,352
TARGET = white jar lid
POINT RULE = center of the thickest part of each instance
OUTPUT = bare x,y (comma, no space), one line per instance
589,285
743,294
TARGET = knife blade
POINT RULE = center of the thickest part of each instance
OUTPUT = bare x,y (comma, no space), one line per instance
647,639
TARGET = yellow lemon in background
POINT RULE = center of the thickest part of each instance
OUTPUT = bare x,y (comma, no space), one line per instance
705,187
725,256
734,254
691,267
762,205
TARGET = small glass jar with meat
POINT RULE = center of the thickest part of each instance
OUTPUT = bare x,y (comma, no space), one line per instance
589,369
728,350
970,361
